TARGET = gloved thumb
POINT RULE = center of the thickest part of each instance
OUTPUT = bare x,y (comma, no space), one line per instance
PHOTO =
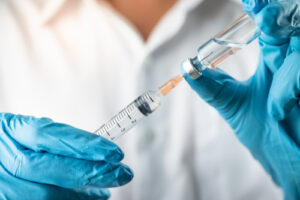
285,90
218,89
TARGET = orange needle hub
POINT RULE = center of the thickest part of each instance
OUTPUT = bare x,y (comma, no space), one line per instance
170,85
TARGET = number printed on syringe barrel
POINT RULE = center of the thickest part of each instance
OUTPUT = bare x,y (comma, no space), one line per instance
130,116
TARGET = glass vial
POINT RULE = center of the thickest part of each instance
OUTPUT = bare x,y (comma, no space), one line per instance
237,35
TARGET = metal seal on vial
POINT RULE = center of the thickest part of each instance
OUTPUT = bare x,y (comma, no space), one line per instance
190,69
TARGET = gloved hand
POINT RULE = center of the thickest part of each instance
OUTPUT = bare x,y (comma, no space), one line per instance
264,111
41,159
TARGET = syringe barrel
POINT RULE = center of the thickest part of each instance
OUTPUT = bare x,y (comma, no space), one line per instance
130,115
237,35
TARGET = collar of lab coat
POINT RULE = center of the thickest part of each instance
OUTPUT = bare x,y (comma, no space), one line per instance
49,9
163,32
166,29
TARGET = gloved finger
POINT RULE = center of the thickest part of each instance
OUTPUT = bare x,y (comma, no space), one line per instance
92,192
273,52
15,188
253,6
277,18
281,20
58,170
285,90
42,134
274,40
219,90
294,44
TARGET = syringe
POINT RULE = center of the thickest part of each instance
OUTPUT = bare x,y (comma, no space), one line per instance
141,107
240,33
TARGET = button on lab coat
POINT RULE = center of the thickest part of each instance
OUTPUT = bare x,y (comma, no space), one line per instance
79,62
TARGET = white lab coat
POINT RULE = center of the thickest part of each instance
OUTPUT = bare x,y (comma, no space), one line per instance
79,62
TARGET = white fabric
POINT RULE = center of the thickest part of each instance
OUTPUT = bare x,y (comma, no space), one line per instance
79,62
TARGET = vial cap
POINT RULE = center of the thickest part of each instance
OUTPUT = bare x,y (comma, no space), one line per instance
189,68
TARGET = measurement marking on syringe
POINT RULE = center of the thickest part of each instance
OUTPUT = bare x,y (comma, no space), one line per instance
118,125
129,116
151,99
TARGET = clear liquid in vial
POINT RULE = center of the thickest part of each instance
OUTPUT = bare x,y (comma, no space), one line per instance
215,51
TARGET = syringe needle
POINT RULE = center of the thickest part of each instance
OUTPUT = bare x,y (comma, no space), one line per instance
170,85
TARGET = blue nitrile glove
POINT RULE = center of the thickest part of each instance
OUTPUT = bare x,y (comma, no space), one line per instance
263,111
41,159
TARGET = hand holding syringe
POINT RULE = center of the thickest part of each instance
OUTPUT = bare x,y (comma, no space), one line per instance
136,111
239,34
